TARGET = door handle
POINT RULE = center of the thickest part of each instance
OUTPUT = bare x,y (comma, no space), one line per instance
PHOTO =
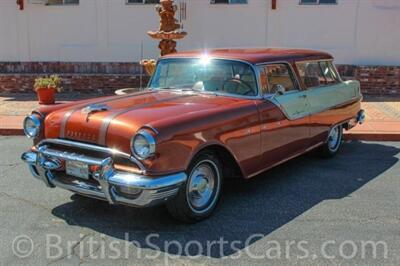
303,96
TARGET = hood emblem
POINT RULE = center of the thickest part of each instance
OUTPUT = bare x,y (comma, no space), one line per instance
94,108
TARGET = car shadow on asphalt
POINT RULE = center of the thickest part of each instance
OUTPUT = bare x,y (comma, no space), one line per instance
249,210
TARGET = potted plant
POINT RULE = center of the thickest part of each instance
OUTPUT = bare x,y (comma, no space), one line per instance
46,87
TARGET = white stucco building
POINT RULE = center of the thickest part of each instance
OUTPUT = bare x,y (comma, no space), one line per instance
355,31
96,44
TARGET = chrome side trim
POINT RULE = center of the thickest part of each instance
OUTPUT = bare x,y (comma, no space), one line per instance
315,60
272,100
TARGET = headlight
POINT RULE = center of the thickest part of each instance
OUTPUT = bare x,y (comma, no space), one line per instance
143,145
32,126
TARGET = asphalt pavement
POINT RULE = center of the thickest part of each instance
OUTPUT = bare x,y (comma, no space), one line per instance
308,211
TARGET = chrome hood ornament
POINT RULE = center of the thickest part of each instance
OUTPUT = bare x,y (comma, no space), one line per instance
94,108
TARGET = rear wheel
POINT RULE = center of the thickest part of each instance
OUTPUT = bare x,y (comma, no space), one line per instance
199,196
332,146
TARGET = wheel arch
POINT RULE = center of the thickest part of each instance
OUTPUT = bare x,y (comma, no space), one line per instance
230,165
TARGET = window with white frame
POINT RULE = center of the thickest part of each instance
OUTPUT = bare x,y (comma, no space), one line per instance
228,2
62,2
318,2
142,1
317,73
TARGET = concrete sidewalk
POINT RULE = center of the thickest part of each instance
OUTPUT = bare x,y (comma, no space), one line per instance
382,122
11,125
15,106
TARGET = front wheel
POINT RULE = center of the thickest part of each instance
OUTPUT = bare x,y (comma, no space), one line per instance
199,195
332,146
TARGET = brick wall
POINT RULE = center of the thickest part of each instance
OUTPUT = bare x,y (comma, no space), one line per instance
375,80
105,78
84,83
102,78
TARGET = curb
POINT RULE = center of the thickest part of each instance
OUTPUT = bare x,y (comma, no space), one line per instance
11,125
375,136
11,132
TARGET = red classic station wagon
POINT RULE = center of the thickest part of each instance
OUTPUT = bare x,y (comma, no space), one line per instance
205,116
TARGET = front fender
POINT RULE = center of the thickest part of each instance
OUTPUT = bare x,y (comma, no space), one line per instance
236,130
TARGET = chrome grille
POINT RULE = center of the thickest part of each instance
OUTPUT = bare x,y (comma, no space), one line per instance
89,150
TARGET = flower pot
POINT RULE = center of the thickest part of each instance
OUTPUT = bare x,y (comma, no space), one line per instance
46,95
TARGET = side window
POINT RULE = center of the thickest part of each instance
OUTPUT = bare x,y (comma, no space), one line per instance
143,1
311,74
316,74
228,1
62,2
329,72
263,80
276,74
318,2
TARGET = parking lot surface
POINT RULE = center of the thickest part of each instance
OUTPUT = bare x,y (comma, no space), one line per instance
308,211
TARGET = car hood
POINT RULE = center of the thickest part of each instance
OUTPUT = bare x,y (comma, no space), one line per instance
123,116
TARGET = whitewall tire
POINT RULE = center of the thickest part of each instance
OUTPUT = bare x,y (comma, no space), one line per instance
333,143
200,194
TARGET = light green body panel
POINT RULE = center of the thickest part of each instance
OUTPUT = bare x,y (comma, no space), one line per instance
298,104
294,104
326,97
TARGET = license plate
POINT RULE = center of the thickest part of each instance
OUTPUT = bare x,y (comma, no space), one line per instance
77,169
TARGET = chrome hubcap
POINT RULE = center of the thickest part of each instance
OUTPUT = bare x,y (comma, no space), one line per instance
334,138
202,186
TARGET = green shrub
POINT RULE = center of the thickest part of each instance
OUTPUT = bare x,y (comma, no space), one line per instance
53,81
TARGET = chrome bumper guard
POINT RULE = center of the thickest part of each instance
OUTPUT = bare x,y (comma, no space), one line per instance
359,119
116,187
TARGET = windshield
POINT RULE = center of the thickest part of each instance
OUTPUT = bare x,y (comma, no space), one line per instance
208,75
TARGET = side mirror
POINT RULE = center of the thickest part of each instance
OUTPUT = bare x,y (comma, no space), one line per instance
279,89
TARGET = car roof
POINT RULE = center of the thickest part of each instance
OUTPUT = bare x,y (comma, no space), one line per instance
256,55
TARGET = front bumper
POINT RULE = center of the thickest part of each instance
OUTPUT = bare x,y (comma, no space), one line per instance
105,183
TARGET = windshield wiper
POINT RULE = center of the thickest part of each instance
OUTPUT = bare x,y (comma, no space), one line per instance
165,88
173,88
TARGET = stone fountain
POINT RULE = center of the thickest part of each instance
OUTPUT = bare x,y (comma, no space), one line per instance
169,31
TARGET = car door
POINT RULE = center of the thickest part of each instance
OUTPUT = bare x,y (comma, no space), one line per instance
283,114
324,91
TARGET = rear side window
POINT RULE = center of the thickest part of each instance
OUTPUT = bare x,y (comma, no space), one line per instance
329,72
276,74
314,74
